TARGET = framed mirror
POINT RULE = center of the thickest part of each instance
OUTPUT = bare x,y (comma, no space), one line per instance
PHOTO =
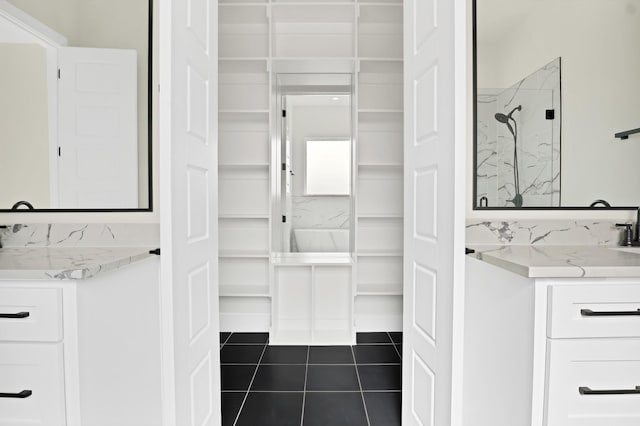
313,149
555,105
75,121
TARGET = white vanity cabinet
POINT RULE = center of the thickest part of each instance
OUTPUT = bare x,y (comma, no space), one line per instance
81,352
550,351
593,345
31,356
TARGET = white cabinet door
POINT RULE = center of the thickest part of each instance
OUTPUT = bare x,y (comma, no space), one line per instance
434,206
33,371
98,128
189,212
593,382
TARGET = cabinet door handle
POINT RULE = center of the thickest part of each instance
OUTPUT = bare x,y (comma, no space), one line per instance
16,315
590,313
585,390
23,394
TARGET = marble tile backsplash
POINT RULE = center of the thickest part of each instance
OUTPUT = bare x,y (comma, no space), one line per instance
80,235
556,232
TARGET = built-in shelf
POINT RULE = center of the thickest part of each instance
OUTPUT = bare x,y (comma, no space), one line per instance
379,111
390,289
366,215
243,166
235,254
375,166
223,215
258,39
365,60
311,3
243,111
244,291
226,59
378,253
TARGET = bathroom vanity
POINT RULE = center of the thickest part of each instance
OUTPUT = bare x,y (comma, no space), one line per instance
73,349
552,336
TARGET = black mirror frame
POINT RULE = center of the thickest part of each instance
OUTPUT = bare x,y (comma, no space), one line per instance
474,89
149,140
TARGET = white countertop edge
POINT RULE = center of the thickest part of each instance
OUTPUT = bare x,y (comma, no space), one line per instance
561,261
114,258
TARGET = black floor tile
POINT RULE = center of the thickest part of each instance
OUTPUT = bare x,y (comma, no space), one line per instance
236,377
330,355
271,409
231,403
224,336
285,355
332,378
334,409
380,377
248,338
279,378
399,349
380,338
384,408
376,354
241,354
396,337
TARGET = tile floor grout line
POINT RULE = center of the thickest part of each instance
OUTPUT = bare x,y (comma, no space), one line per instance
264,349
225,341
364,404
395,346
304,393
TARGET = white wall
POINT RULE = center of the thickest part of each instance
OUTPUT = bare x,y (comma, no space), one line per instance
22,79
94,23
598,74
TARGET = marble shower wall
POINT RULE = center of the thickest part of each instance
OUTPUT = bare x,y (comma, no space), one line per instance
538,232
320,212
81,235
538,141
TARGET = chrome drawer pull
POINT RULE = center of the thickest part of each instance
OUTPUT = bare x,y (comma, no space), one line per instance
17,315
24,394
584,390
590,313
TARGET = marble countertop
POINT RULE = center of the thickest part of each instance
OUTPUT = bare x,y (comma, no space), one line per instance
562,261
65,263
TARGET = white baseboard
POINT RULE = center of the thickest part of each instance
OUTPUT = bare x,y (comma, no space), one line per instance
371,323
245,323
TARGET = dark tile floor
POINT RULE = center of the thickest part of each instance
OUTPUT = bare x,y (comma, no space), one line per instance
266,385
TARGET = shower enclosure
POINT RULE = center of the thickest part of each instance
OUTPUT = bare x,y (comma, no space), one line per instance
518,143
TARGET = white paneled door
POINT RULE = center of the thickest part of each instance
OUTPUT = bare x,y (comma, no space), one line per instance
97,129
433,208
188,212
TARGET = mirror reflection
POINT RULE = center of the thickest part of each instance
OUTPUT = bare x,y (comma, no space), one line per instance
535,147
315,146
74,111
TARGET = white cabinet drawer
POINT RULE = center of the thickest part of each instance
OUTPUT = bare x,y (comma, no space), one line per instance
35,368
607,366
605,310
30,314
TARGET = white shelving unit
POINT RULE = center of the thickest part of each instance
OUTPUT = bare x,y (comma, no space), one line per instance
306,302
379,202
244,152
